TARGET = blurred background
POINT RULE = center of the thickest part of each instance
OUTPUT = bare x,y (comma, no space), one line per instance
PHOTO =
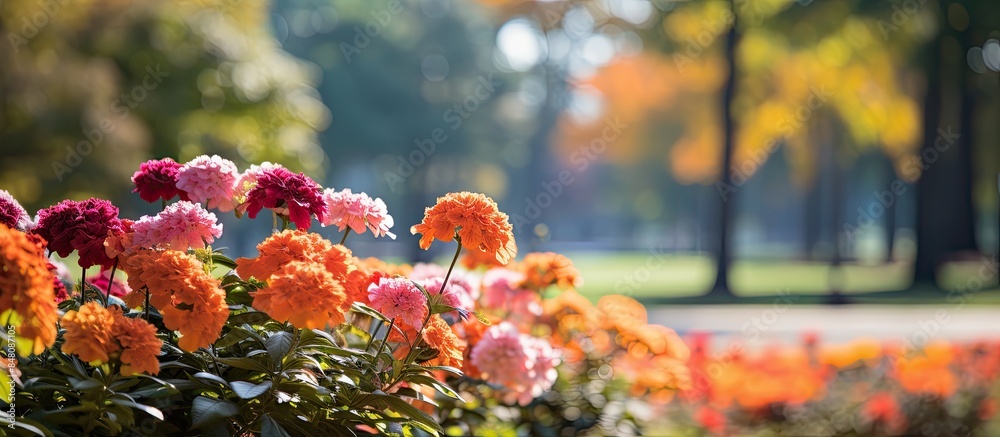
678,151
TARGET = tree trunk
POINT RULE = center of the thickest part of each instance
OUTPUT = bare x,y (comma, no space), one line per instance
812,216
890,213
946,218
727,197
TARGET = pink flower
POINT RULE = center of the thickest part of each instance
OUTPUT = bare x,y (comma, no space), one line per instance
180,226
12,213
292,195
399,298
499,285
422,271
248,180
157,179
209,179
458,294
522,364
100,280
357,210
500,292
81,226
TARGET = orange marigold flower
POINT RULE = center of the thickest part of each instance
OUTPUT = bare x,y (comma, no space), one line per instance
27,296
440,336
569,301
474,259
621,312
375,264
89,333
476,220
140,347
305,294
840,356
655,339
189,298
295,245
544,269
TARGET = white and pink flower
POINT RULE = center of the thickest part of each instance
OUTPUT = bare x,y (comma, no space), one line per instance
180,226
211,180
357,211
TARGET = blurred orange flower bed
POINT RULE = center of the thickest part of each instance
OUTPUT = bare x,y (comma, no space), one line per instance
864,387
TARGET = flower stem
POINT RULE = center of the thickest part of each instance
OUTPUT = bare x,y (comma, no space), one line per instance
146,306
83,285
452,266
164,204
344,238
420,332
274,221
392,323
374,333
111,282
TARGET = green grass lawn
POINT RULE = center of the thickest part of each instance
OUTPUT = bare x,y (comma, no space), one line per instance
676,277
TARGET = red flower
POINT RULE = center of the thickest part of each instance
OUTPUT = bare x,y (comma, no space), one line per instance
711,419
81,226
295,196
157,179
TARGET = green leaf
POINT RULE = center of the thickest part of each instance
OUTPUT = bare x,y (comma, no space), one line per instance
442,309
234,336
359,307
438,385
5,384
220,259
26,424
244,363
251,318
402,407
278,345
155,412
205,411
205,376
87,384
249,390
482,318
270,428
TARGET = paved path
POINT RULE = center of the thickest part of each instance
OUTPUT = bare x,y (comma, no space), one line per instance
757,325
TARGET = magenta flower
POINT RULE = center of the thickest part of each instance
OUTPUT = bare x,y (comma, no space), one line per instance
12,214
248,180
522,364
100,280
81,226
357,210
288,194
180,226
209,179
399,298
157,179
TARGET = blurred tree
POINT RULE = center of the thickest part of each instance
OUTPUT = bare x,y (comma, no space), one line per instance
89,89
946,226
419,106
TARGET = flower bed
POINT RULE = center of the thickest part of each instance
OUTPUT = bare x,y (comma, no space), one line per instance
169,336
865,387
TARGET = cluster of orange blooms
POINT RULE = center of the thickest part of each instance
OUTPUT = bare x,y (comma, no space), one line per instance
306,277
26,293
97,334
652,357
774,376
